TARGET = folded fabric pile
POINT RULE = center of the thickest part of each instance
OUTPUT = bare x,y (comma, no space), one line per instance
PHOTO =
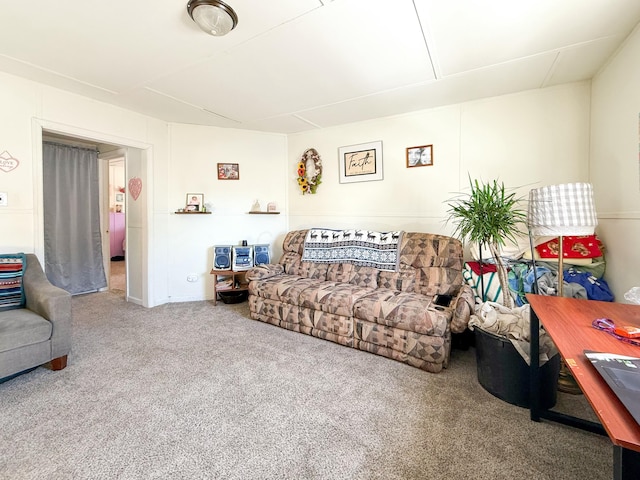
512,324
11,289
583,272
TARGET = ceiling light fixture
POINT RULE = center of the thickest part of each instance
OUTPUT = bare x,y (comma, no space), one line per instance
213,16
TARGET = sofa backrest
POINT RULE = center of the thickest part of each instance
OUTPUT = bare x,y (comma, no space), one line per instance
429,264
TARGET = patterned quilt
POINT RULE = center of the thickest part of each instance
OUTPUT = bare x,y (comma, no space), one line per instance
358,247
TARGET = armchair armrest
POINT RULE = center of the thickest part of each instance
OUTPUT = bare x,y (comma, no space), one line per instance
463,307
51,303
264,271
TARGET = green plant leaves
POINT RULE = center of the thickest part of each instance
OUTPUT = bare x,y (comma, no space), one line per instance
488,214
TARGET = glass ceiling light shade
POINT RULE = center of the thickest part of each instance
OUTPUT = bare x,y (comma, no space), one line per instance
213,16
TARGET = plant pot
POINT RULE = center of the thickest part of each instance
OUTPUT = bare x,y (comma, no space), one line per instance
503,372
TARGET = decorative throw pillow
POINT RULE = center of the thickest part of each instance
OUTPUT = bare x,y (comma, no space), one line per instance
12,267
585,246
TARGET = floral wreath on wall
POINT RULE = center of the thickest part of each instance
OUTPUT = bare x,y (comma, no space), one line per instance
309,171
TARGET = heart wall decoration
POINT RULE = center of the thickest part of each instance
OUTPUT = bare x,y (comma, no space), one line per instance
135,187
7,162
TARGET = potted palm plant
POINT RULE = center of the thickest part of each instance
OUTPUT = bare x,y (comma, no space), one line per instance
489,215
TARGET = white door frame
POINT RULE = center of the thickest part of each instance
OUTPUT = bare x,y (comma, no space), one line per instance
105,160
38,125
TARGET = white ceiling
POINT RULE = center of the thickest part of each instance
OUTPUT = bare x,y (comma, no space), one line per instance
295,65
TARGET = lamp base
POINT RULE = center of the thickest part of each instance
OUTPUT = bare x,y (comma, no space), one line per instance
566,382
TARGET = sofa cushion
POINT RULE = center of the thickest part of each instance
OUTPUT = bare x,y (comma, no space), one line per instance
406,311
285,288
340,272
22,327
12,268
331,297
294,242
401,281
422,250
291,263
365,277
438,281
314,270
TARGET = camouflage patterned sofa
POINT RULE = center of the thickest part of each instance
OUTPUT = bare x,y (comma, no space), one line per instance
388,313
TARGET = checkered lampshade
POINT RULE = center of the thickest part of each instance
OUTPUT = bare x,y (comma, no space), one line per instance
566,209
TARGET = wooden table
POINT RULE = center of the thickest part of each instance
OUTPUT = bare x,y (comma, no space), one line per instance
568,323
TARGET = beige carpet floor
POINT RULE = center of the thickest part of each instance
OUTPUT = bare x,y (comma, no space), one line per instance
194,391
118,277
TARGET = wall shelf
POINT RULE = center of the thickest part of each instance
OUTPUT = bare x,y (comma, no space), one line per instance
264,213
192,213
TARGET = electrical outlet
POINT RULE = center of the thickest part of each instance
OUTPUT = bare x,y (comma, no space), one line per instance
192,278
3,199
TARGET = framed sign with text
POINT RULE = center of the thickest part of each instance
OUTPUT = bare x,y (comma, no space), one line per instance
360,163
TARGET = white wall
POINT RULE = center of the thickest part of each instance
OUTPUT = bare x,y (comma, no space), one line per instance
195,153
615,166
171,160
526,140
29,107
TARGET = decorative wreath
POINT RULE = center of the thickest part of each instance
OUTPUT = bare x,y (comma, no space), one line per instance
308,181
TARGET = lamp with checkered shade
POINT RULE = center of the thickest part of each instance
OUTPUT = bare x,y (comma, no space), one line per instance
558,210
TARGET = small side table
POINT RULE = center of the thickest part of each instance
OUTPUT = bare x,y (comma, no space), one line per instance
238,282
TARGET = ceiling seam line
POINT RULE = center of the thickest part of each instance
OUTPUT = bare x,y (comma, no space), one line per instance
426,43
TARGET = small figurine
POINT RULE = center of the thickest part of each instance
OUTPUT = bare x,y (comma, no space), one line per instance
256,206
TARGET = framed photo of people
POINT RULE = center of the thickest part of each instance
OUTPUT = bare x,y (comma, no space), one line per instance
421,156
195,202
228,171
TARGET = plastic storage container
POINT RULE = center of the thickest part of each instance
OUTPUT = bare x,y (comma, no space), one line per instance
503,372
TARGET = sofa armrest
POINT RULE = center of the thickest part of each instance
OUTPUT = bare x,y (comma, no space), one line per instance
51,303
264,271
463,307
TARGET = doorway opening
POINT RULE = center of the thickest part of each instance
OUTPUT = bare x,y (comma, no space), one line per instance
116,206
135,158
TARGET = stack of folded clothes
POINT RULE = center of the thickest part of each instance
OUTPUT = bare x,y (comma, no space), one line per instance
583,271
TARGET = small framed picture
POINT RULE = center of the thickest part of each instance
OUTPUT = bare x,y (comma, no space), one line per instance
420,156
195,202
228,171
120,197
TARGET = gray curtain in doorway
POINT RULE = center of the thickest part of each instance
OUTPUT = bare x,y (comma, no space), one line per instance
72,234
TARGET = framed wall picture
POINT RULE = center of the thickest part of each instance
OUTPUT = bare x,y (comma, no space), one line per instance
195,202
120,197
228,171
420,156
360,163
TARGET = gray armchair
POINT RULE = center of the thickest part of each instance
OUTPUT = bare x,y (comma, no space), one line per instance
39,333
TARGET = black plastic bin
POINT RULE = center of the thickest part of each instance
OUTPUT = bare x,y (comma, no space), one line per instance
503,372
233,296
